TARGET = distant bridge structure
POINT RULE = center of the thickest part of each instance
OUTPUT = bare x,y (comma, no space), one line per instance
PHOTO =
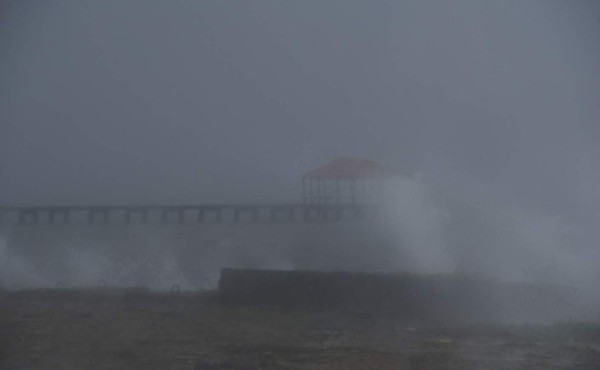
341,190
182,214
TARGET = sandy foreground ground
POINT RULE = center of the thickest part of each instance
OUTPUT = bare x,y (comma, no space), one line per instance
136,329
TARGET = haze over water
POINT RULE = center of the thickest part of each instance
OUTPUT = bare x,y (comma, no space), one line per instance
490,110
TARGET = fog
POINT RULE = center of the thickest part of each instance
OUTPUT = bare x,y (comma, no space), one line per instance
489,110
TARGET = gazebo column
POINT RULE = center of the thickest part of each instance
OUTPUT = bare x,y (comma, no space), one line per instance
364,188
303,190
318,191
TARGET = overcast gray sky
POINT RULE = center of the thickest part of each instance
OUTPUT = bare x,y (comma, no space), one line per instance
169,101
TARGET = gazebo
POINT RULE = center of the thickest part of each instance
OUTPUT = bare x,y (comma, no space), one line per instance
347,181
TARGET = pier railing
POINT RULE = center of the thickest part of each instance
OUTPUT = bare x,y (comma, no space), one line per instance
183,214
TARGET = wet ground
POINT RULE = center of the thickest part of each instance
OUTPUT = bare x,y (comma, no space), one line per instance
136,329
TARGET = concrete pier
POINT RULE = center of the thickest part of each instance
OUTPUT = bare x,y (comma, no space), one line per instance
181,214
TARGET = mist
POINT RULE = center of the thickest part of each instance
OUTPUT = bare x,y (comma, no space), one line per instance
489,110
